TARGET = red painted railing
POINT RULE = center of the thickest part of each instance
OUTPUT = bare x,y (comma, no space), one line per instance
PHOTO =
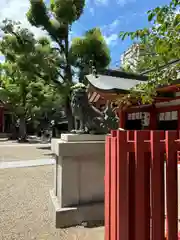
135,199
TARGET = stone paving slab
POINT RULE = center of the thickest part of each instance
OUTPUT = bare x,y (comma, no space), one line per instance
30,163
24,213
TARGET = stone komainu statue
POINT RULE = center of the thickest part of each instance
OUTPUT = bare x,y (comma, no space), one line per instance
91,119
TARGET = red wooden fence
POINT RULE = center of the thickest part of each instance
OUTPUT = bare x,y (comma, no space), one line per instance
135,182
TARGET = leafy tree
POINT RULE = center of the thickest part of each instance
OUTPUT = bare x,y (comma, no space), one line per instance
29,66
90,47
50,110
57,20
161,43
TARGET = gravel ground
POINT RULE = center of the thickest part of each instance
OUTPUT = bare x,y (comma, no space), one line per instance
26,152
24,211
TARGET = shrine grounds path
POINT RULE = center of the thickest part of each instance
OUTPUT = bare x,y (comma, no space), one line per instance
24,199
12,151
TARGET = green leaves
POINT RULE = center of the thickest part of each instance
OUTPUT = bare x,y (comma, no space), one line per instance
161,47
90,47
64,11
38,13
73,59
57,20
161,44
67,11
176,20
151,16
30,66
123,35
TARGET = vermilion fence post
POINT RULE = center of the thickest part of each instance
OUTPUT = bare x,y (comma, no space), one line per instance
128,185
118,190
142,176
123,227
171,184
157,185
131,184
113,206
107,184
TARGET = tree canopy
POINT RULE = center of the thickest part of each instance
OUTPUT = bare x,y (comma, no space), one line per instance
57,19
161,44
90,47
29,66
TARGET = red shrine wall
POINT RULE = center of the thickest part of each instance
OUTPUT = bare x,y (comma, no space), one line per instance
162,113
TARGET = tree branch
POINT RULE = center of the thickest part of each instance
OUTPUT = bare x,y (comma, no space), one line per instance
63,78
62,67
57,49
162,66
19,38
57,41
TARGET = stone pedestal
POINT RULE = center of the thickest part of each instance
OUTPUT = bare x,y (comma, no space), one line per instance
78,194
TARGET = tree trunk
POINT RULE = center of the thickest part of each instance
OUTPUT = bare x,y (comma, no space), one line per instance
22,119
22,129
14,133
68,75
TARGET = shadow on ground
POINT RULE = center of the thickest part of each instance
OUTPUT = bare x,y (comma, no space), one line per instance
93,224
4,139
44,147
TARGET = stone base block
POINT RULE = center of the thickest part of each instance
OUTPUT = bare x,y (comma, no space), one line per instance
68,217
82,137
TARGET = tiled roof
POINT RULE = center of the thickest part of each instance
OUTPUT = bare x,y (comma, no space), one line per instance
121,74
120,82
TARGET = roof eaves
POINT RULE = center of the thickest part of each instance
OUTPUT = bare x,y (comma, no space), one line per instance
117,73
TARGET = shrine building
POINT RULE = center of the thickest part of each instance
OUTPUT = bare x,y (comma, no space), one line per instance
5,120
162,114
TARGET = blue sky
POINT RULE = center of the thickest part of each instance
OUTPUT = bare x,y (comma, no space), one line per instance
113,16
